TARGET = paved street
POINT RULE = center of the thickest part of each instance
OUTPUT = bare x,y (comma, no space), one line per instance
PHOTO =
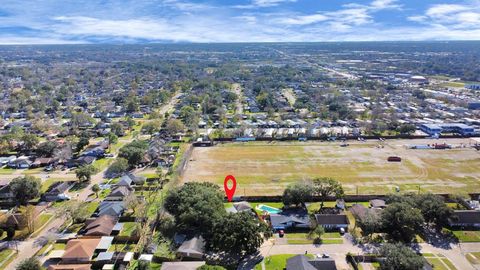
456,254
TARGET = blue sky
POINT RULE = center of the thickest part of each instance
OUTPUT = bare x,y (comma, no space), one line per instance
141,21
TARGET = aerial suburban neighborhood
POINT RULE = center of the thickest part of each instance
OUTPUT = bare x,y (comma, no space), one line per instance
131,154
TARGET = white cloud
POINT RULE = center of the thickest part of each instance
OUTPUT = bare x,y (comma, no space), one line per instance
264,3
345,17
444,9
184,20
303,20
451,16
384,4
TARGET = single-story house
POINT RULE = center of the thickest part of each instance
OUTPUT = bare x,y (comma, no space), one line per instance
80,250
181,265
240,207
302,262
290,219
57,189
101,226
193,248
97,152
5,160
5,192
81,161
118,193
360,212
111,208
465,218
20,163
130,179
43,162
376,203
332,221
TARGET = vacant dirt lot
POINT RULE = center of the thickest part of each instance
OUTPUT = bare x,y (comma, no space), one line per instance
266,168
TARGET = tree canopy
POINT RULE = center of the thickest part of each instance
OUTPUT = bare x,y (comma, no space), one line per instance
401,221
196,205
134,152
25,188
118,167
400,257
237,233
326,187
29,264
297,194
84,173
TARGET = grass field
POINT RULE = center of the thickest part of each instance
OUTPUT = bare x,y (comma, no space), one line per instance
264,168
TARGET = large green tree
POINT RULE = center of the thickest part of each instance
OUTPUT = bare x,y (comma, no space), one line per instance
327,187
175,126
84,173
196,205
400,257
297,194
25,188
47,149
134,152
238,233
401,221
434,209
30,141
118,167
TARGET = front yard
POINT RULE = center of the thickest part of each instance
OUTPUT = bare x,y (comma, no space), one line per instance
439,262
303,238
276,262
467,236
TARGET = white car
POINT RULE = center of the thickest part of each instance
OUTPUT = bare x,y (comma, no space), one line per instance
63,197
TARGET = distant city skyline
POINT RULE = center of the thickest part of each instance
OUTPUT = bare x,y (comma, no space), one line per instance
201,21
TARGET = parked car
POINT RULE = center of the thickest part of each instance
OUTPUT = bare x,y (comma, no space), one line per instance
63,197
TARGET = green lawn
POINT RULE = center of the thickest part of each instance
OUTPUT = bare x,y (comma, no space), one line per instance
92,206
128,228
277,262
101,164
122,247
42,220
7,171
438,261
302,238
467,236
4,257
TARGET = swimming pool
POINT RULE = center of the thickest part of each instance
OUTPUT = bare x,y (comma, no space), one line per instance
269,209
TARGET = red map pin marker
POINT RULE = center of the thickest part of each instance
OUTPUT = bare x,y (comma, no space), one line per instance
231,191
